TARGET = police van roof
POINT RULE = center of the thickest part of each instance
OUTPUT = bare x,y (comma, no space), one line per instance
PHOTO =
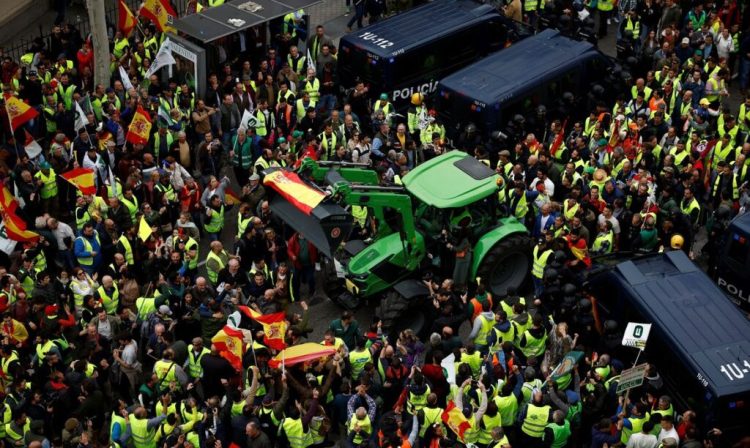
427,22
693,317
520,67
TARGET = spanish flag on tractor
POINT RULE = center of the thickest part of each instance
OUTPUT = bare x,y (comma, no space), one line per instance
294,190
18,111
160,12
140,128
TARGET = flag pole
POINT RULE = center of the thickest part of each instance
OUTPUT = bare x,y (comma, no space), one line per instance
283,363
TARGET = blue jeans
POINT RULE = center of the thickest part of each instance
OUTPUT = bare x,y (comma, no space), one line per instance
226,139
327,103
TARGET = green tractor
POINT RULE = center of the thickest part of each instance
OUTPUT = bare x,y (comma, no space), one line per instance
450,193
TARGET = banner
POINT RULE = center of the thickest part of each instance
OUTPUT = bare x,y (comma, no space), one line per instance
567,364
636,335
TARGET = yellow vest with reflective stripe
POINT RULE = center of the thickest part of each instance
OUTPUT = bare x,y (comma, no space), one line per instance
128,250
535,421
88,261
131,205
191,243
49,184
416,402
365,425
485,429
431,416
295,433
534,346
484,330
110,302
145,306
540,262
213,276
140,434
194,363
216,221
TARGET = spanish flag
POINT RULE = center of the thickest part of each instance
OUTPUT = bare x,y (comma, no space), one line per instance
18,111
82,178
126,21
231,345
16,229
455,420
8,202
160,12
294,190
139,130
230,197
274,326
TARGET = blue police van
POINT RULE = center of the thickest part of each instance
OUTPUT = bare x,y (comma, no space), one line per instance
535,71
699,341
412,51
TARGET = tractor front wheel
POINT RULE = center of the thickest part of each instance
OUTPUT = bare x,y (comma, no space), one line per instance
506,265
399,313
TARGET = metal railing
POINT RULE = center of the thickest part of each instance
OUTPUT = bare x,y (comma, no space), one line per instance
81,23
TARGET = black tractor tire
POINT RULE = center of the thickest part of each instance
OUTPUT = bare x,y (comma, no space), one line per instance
399,313
506,265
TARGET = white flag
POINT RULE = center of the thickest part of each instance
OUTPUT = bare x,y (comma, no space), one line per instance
310,62
248,120
125,79
165,115
81,120
163,58
7,245
112,184
33,149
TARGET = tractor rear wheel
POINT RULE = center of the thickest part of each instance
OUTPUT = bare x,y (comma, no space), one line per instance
399,313
506,265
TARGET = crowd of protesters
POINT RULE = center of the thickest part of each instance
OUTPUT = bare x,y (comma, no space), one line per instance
107,333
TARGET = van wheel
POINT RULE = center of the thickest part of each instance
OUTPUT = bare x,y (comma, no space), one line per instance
506,265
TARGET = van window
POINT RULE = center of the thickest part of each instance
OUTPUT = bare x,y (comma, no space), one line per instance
738,250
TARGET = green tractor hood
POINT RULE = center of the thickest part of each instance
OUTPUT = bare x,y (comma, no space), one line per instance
451,180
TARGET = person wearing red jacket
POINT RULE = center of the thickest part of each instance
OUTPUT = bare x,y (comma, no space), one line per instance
190,199
304,257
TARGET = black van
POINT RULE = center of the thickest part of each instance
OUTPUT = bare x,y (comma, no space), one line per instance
534,71
412,51
699,341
